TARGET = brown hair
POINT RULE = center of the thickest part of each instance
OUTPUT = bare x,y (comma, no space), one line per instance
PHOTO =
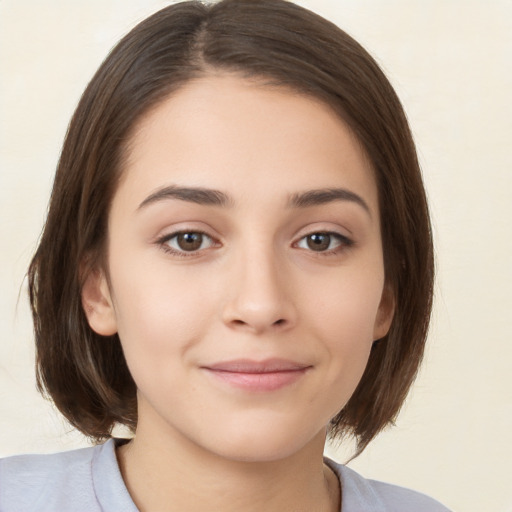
85,374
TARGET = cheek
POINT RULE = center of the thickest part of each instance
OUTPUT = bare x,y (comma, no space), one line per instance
158,313
344,318
349,305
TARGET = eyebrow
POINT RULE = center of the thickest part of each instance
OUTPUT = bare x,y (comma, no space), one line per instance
198,195
326,195
212,197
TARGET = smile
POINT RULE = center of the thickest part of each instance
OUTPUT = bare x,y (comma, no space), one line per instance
258,376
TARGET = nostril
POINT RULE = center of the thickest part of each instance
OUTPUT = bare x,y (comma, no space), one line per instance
241,323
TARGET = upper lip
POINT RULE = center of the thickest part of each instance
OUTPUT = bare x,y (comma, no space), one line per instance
251,366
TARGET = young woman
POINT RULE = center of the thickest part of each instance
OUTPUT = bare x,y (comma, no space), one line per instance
236,263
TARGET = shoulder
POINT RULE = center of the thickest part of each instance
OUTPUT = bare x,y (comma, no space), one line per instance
359,493
71,481
46,482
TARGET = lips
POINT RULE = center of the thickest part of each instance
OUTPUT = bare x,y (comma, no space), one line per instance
268,375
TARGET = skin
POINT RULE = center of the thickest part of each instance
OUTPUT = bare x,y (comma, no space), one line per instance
254,287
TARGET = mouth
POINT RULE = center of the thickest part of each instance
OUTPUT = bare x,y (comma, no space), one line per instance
258,376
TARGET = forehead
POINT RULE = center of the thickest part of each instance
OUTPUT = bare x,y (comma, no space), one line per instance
243,136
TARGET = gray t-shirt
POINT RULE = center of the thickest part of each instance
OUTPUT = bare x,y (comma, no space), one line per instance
89,480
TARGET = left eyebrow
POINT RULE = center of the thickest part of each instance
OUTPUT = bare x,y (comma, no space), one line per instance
324,196
198,195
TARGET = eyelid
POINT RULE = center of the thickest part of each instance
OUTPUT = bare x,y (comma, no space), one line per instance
345,242
163,240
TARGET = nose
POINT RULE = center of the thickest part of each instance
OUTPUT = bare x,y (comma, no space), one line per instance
259,298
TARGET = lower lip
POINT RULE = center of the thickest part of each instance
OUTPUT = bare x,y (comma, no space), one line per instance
270,381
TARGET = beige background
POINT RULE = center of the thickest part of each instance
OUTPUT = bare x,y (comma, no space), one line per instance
451,63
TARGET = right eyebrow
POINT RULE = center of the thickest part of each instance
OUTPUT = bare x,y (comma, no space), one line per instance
198,195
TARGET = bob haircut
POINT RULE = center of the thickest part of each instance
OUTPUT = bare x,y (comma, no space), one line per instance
283,45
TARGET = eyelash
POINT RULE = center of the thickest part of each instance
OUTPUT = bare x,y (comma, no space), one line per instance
164,243
344,243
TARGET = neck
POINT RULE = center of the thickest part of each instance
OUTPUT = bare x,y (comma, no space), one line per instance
168,473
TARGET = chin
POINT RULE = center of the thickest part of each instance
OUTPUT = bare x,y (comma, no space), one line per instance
259,453
266,444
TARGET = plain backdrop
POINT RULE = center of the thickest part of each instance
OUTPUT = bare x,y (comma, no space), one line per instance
451,63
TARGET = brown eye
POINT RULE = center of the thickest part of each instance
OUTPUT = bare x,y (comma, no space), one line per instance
318,241
324,242
187,242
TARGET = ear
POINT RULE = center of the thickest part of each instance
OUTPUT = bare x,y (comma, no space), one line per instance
385,313
97,303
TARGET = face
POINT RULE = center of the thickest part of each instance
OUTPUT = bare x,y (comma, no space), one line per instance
246,276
